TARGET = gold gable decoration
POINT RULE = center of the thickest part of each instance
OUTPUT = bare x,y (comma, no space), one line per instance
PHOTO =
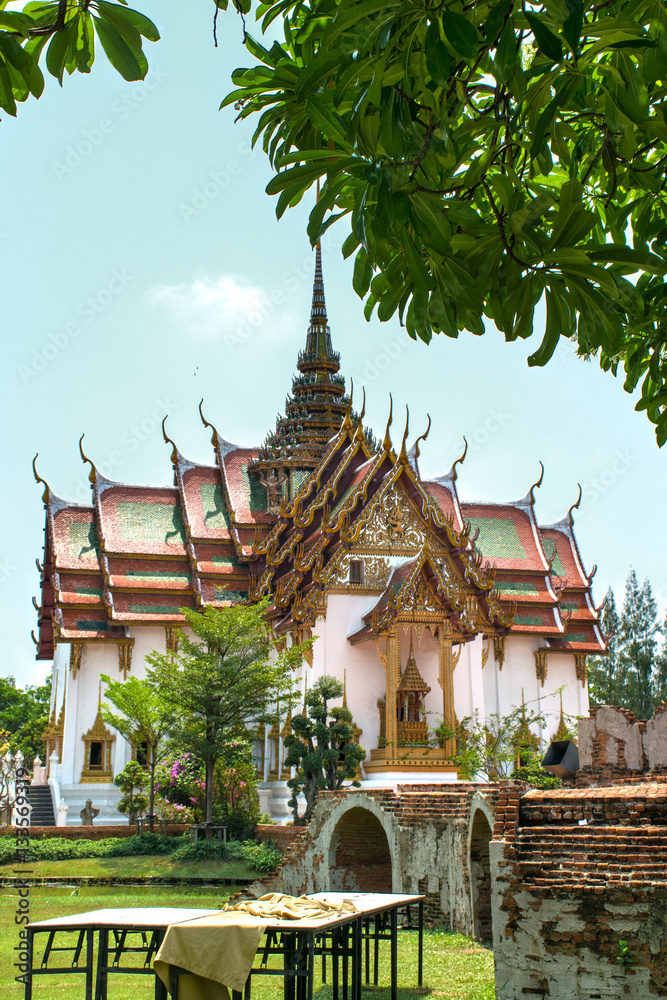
98,742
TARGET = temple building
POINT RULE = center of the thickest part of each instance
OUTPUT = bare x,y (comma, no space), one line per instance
430,608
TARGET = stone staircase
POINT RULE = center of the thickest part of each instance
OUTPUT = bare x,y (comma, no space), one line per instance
39,798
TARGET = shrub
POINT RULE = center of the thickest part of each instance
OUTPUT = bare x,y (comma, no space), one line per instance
262,857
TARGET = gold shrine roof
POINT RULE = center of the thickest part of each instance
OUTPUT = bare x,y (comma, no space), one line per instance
138,554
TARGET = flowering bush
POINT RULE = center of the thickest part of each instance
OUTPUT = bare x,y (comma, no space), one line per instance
180,789
235,800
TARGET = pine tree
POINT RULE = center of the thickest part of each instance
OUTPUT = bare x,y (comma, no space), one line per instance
605,679
223,681
639,646
660,672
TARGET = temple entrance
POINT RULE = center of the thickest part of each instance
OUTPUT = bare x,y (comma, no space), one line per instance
359,856
480,877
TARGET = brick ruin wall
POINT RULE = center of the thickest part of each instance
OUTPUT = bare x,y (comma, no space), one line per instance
412,840
616,746
576,871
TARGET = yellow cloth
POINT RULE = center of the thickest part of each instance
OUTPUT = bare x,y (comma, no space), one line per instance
282,907
220,948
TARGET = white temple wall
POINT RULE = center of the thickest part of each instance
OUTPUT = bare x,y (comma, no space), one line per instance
364,672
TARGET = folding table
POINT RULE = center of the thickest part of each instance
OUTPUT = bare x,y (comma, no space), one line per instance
150,921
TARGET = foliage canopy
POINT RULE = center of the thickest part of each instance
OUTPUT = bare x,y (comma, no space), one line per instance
488,156
65,33
223,681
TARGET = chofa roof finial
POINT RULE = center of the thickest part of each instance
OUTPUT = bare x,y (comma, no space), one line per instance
461,460
574,506
386,444
403,456
46,495
167,439
531,492
92,475
214,435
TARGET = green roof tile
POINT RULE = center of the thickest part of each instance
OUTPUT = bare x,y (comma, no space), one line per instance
87,626
89,591
153,609
498,538
160,523
549,549
516,587
216,514
159,574
527,620
256,493
83,539
220,594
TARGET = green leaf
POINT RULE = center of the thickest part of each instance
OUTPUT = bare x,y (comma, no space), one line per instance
555,326
573,24
56,54
640,259
363,273
418,271
550,45
324,119
506,55
437,57
305,175
349,246
128,63
461,34
125,15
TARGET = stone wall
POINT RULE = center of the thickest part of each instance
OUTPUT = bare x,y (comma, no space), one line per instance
577,871
614,745
416,839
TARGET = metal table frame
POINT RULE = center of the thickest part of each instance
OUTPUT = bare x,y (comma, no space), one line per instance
119,923
341,939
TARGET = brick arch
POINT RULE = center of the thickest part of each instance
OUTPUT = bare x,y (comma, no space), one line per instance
360,856
479,867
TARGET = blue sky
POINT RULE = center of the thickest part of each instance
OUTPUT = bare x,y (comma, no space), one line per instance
143,269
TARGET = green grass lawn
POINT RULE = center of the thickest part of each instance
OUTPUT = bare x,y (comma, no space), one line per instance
161,865
455,968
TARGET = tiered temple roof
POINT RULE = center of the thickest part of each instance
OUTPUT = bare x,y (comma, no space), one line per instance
281,521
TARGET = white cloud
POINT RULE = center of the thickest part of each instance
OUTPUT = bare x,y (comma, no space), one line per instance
211,307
